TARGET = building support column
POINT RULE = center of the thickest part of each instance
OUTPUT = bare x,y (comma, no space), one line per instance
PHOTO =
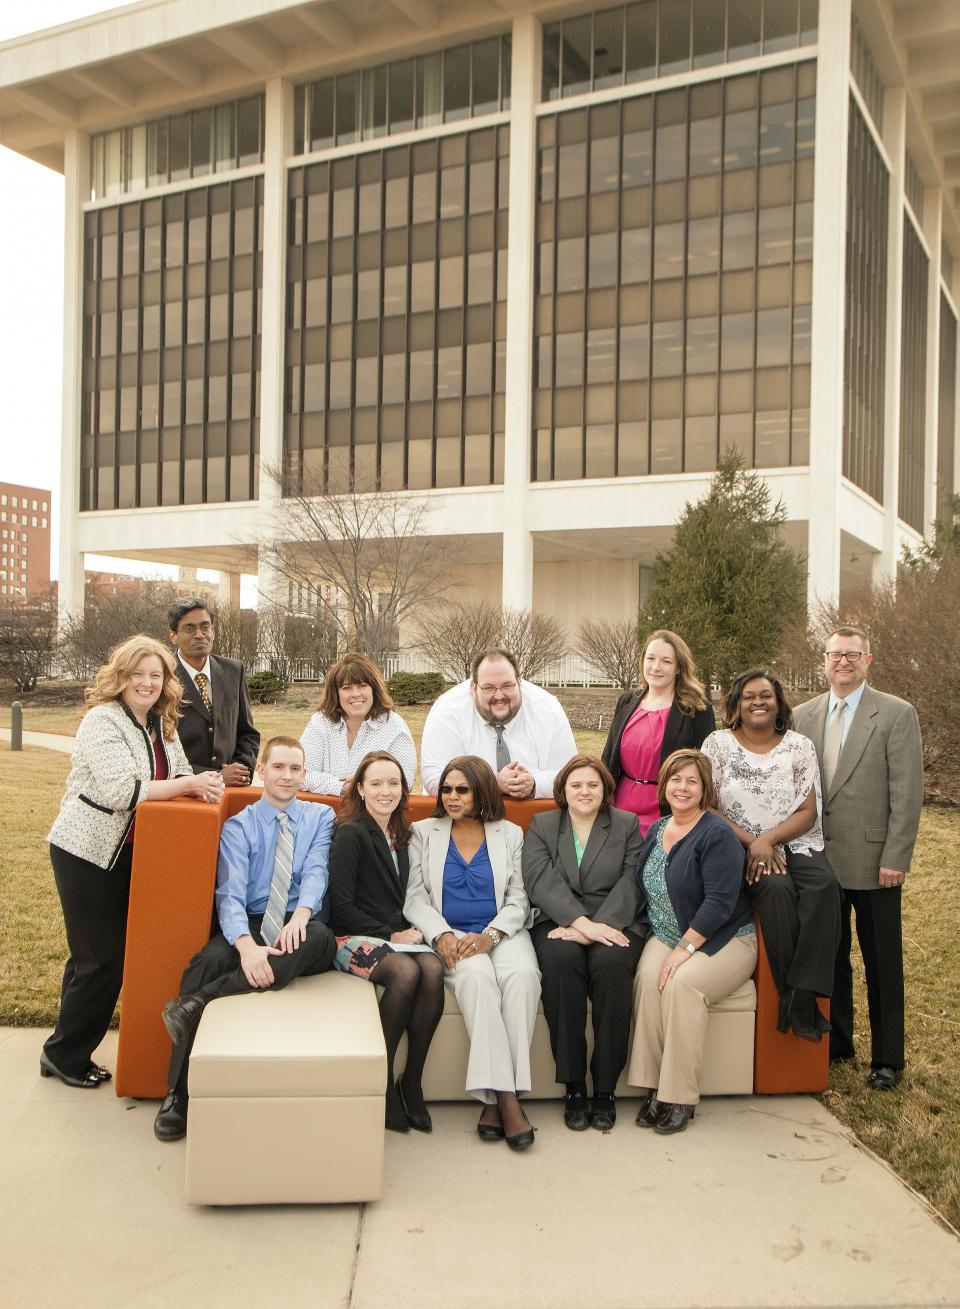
895,142
517,579
278,146
228,591
76,173
932,220
829,291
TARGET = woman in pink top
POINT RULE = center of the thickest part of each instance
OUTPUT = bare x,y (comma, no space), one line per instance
670,711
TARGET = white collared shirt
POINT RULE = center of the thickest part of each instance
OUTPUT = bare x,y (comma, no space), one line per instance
539,737
328,758
850,708
195,673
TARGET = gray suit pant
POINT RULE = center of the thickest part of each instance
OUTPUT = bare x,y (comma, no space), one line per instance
498,994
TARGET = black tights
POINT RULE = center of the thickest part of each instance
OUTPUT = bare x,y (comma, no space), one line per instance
412,1002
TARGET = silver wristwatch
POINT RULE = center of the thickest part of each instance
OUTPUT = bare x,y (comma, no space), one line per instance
495,936
687,945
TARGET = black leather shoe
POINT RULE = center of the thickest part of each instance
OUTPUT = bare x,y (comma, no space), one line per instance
420,1120
489,1131
90,1080
102,1074
395,1116
576,1112
674,1118
883,1078
649,1110
603,1113
181,1017
170,1123
522,1140
802,1016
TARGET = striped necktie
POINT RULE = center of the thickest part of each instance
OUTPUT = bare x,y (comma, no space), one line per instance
201,683
276,910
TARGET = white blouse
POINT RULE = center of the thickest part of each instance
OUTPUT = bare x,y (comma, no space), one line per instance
758,791
328,757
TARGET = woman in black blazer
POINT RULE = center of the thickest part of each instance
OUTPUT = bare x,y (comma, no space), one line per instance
579,870
670,711
369,869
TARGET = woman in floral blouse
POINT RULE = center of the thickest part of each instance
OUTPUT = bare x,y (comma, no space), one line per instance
768,788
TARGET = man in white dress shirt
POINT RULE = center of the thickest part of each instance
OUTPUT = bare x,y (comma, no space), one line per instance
518,728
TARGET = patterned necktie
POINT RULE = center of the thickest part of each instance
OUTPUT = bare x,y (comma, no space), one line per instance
503,750
201,681
276,909
832,744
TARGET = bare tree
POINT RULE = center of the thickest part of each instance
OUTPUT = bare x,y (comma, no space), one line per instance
534,640
450,637
614,648
296,641
110,617
28,638
237,633
371,545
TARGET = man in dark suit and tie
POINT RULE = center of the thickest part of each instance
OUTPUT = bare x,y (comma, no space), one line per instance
871,765
216,730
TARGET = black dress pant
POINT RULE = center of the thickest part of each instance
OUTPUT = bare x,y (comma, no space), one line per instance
799,912
881,944
94,902
571,972
215,971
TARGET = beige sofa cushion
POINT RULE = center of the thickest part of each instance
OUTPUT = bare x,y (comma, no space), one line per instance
320,1036
742,1000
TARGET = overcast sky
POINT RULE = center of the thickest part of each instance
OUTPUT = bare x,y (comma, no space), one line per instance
31,299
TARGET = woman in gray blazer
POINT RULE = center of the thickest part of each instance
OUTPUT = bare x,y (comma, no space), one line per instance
579,869
127,751
465,894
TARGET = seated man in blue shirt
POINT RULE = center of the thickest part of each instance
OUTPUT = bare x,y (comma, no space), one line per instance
271,882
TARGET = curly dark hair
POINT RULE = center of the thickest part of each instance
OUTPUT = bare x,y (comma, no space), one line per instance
731,701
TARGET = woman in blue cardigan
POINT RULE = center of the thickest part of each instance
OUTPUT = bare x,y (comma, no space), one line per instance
702,946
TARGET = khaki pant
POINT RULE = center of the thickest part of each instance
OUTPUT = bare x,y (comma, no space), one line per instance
498,994
671,1025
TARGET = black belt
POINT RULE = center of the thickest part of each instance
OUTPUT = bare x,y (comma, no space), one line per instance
640,781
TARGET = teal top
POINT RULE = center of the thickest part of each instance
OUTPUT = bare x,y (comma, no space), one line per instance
578,848
660,910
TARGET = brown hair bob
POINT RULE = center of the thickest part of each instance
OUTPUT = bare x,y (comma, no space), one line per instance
487,800
352,807
679,759
348,670
584,761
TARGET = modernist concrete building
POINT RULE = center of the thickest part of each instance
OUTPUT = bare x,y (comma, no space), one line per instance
542,261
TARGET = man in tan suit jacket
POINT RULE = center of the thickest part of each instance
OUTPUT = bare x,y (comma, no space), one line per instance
871,764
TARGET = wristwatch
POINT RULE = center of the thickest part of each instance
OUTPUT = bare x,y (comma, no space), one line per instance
684,944
495,936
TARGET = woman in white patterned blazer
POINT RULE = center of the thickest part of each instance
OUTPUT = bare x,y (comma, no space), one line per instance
127,751
356,716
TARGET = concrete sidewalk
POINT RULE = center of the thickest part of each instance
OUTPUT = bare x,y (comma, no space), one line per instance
762,1202
48,740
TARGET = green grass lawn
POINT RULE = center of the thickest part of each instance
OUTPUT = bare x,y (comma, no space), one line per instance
916,1127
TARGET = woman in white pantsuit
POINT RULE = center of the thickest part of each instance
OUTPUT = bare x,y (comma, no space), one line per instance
465,894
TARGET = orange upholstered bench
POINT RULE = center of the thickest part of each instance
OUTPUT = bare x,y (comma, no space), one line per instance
171,918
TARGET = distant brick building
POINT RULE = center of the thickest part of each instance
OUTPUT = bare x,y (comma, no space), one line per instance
25,519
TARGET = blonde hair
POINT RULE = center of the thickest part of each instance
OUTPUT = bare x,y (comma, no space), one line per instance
690,694
113,677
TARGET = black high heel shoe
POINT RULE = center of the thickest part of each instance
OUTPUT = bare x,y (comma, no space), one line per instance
521,1140
649,1110
488,1131
420,1122
674,1118
88,1082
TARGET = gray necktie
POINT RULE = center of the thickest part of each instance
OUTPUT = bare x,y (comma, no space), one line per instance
832,744
503,750
276,909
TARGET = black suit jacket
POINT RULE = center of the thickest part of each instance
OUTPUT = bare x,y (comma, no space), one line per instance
366,895
604,886
681,732
229,737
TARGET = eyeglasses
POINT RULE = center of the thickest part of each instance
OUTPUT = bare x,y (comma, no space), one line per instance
507,688
459,790
851,656
188,629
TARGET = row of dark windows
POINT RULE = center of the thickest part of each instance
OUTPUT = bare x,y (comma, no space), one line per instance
913,379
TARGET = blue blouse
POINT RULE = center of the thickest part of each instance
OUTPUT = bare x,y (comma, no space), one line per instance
469,901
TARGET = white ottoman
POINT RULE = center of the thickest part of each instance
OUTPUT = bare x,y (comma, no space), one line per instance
305,1065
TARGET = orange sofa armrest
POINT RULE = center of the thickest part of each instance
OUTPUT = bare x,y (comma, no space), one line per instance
783,1064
